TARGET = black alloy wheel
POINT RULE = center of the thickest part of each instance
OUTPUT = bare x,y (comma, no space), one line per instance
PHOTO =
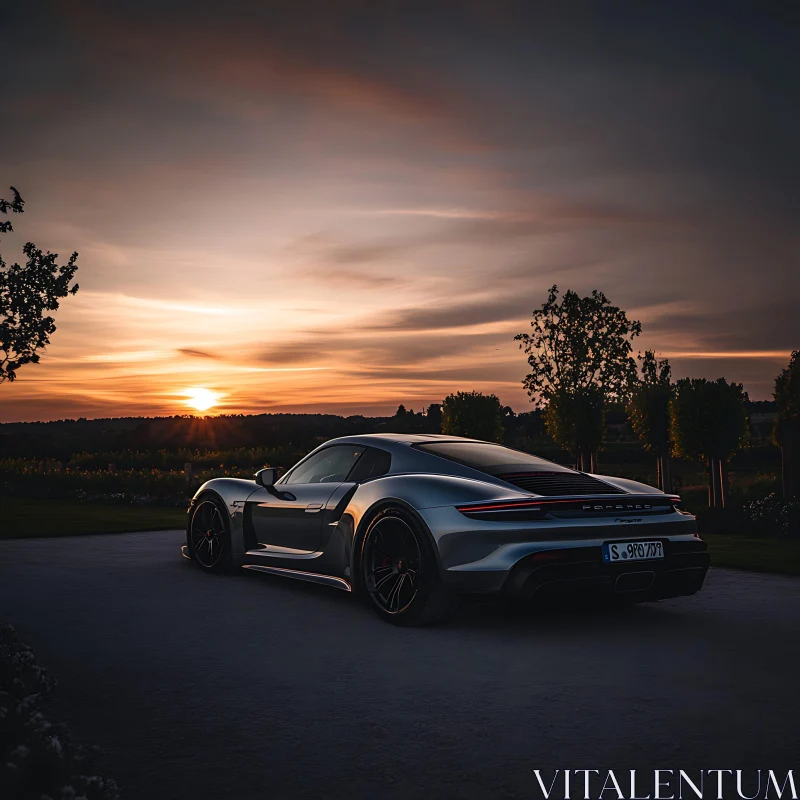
209,538
399,572
392,562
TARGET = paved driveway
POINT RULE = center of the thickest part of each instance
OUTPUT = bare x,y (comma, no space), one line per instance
251,686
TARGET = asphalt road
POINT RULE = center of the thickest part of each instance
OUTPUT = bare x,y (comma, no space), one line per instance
253,686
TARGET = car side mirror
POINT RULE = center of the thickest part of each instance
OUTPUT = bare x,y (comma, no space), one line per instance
267,477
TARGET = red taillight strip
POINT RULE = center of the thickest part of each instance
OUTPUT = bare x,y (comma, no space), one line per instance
493,506
534,504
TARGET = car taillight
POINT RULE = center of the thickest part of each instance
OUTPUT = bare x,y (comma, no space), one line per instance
512,511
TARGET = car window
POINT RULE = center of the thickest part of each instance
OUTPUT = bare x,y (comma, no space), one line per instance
491,458
372,464
330,465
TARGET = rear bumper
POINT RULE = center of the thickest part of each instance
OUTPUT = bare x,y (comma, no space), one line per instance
582,571
673,576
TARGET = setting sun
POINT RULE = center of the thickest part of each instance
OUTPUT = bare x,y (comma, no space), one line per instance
201,399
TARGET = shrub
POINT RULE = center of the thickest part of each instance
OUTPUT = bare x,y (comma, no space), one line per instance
38,759
25,478
771,516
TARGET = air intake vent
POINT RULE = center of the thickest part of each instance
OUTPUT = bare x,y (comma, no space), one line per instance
555,484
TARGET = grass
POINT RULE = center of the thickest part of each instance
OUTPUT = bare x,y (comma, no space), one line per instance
25,517
781,556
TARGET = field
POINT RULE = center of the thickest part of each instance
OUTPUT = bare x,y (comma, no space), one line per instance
25,517
781,556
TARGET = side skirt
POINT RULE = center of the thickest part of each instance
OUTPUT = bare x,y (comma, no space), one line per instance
312,577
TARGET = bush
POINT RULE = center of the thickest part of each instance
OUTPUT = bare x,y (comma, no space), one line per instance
138,477
771,516
25,478
252,458
38,759
763,517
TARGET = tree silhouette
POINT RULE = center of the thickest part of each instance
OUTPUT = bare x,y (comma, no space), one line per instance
648,411
579,353
708,422
16,205
576,422
434,417
787,428
475,415
27,292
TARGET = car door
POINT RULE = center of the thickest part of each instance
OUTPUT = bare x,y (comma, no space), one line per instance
289,516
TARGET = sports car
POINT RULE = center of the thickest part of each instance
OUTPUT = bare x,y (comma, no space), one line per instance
413,521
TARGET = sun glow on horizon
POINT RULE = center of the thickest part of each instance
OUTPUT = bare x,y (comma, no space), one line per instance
201,399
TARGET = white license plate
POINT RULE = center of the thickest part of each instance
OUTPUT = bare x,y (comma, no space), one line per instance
615,552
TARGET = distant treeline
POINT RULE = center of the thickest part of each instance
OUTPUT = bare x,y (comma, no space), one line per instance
143,461
63,439
59,440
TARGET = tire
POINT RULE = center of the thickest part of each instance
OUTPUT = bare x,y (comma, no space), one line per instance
399,574
208,535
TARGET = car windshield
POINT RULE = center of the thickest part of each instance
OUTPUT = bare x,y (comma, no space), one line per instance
491,458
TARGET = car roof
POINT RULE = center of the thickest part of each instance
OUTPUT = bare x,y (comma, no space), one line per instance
408,459
398,438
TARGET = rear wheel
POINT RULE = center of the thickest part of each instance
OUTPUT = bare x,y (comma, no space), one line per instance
209,537
399,572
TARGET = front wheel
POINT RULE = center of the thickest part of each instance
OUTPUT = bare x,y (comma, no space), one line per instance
399,572
209,538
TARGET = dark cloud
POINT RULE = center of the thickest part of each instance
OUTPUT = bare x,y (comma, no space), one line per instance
386,351
296,353
493,373
455,314
233,60
756,374
186,351
329,259
769,326
342,276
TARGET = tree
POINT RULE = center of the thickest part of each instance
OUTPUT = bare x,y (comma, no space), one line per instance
17,206
406,420
580,358
708,422
434,417
787,427
509,423
576,421
475,415
27,292
648,411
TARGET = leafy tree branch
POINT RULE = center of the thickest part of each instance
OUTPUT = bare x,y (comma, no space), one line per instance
28,292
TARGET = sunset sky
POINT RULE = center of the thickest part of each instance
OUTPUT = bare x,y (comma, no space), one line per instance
344,206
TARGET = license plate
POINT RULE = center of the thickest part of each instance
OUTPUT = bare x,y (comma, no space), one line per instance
616,552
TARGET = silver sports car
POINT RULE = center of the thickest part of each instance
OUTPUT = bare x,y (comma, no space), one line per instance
412,521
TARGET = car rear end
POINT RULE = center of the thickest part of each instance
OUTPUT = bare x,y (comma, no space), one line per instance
555,530
641,546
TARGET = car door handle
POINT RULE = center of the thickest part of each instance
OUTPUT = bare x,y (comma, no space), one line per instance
312,508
